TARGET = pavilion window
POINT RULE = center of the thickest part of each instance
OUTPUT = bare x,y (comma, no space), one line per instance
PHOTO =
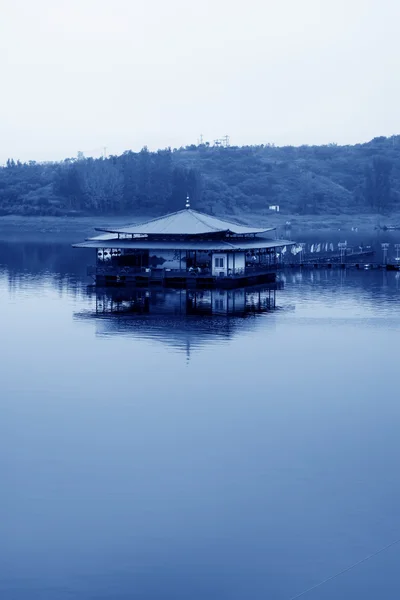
219,263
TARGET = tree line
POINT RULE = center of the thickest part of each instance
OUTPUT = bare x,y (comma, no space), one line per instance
326,179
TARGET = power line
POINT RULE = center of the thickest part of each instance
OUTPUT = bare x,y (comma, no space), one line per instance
100,150
224,141
346,570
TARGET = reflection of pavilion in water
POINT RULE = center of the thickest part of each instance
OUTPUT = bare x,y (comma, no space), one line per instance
182,319
236,302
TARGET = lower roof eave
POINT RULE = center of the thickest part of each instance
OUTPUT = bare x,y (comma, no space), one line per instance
220,246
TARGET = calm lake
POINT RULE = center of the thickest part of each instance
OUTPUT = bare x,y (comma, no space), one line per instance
159,452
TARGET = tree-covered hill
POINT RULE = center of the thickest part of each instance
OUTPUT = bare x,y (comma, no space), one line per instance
301,180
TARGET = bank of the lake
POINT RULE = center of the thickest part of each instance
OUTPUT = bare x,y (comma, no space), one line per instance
71,228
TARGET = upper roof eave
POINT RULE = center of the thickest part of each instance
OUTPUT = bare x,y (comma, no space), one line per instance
227,231
185,222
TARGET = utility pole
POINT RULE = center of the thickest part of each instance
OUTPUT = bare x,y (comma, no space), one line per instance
224,141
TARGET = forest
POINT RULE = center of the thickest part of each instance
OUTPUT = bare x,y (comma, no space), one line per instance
318,180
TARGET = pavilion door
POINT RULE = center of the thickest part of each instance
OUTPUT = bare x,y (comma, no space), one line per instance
219,264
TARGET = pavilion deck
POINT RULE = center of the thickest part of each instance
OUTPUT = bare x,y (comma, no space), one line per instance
114,275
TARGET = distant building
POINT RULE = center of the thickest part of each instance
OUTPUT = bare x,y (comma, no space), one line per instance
274,207
185,248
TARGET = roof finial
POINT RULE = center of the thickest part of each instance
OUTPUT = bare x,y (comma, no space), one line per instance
187,205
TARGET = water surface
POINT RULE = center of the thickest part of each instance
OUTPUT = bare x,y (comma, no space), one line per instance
148,454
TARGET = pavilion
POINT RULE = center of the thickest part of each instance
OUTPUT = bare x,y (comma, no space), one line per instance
184,249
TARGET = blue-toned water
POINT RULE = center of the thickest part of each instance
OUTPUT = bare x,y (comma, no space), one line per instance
145,454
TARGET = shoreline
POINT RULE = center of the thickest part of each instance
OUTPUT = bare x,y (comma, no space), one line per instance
75,228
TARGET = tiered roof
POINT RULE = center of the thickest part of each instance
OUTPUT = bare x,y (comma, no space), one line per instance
184,230
186,222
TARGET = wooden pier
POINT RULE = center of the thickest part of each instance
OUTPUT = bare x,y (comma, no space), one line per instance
341,265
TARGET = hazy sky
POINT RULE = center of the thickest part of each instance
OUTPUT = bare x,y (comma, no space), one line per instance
83,74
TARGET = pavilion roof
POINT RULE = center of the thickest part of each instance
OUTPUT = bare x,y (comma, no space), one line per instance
186,222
